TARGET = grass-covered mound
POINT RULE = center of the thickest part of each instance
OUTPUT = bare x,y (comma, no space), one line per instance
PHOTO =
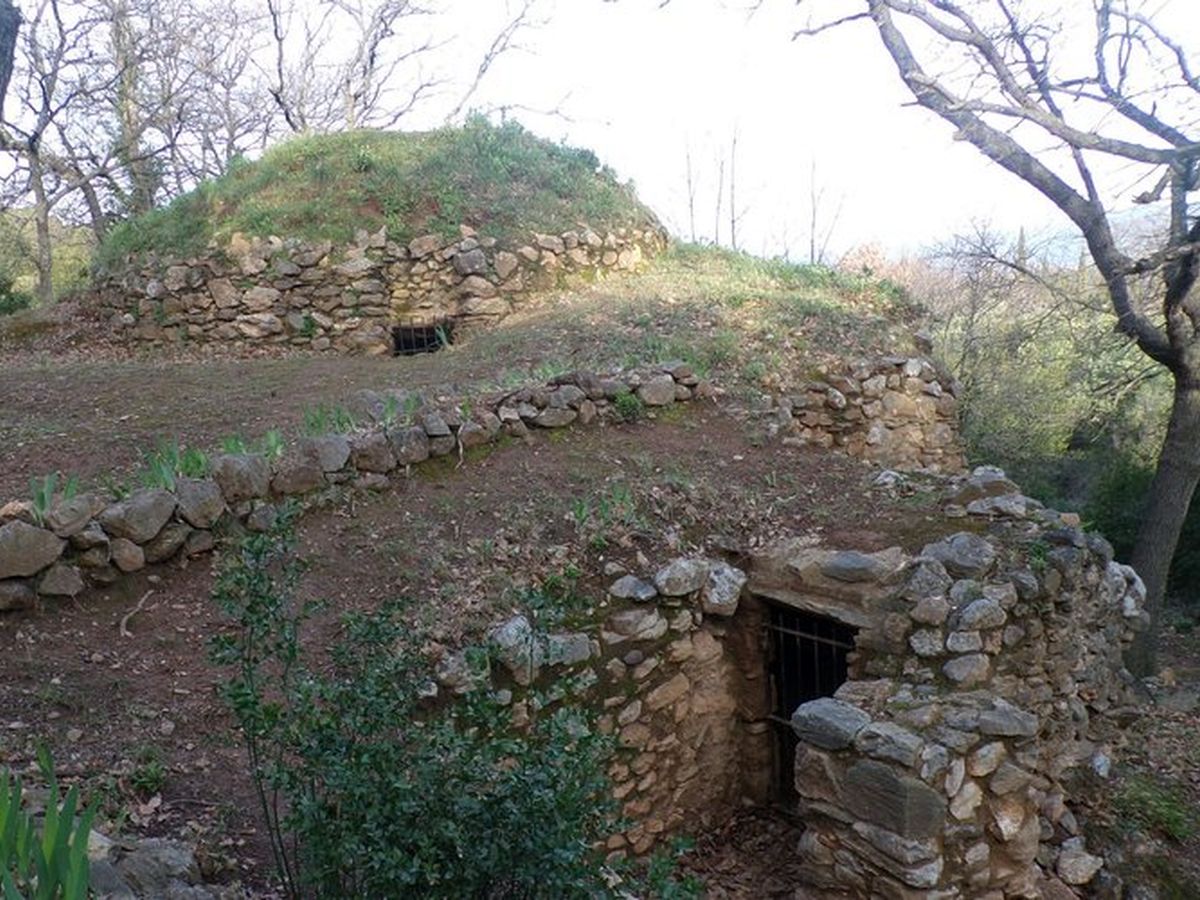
502,180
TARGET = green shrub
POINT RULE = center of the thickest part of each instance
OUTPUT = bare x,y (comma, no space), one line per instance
629,406
1116,506
385,797
11,299
47,861
43,492
327,419
168,461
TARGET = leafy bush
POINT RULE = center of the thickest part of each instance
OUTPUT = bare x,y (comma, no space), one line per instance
45,862
1116,507
629,406
386,797
11,299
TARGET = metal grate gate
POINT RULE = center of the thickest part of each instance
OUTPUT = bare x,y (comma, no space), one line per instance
414,334
807,658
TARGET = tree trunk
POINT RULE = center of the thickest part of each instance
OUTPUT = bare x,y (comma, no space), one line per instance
1166,508
10,24
43,256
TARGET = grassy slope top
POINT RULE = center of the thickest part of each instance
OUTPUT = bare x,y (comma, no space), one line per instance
500,179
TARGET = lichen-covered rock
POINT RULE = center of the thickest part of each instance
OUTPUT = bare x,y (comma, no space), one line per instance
1005,719
126,555
201,502
411,445
241,476
682,577
514,646
26,549
67,517
298,475
330,451
371,452
972,668
657,391
722,589
877,793
16,594
853,566
60,580
630,587
964,555
166,543
889,741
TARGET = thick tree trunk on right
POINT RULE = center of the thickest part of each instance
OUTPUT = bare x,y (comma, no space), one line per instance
1166,508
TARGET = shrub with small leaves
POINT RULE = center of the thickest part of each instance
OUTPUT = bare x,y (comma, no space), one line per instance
629,406
385,796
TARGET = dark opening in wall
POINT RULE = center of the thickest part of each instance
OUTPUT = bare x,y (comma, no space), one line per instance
417,334
806,659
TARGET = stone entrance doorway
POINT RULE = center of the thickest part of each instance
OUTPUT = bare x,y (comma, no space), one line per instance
807,658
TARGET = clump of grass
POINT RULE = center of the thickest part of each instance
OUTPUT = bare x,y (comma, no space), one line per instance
628,406
169,460
327,420
501,178
1157,807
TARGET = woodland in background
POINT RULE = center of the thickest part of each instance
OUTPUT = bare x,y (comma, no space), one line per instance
1052,392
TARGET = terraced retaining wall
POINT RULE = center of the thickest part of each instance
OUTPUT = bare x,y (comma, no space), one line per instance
90,539
347,299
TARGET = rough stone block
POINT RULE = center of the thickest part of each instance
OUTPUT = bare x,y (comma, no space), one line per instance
828,723
877,793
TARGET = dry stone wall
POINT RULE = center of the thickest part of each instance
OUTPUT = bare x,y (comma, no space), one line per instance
91,540
895,411
275,292
663,665
939,769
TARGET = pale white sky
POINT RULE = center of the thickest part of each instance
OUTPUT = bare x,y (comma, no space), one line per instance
642,82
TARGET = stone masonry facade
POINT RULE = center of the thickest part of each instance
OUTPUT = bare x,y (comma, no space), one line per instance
272,292
896,411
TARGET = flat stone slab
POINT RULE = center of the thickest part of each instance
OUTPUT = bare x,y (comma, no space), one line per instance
828,723
877,793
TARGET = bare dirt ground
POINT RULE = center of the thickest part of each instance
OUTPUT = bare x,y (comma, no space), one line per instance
75,401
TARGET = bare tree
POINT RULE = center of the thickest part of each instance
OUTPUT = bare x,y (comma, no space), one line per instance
690,175
1013,84
60,76
820,229
720,199
388,70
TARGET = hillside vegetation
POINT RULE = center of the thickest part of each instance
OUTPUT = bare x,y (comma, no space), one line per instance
502,180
